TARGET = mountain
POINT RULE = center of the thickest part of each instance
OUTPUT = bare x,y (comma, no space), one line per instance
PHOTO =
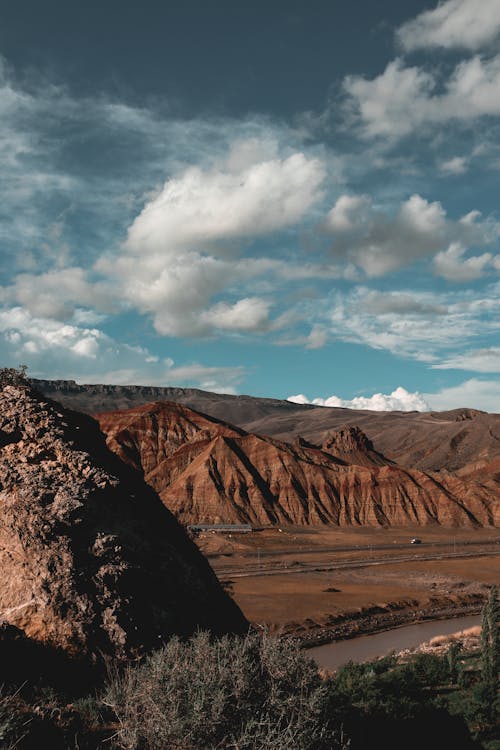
207,471
428,441
91,561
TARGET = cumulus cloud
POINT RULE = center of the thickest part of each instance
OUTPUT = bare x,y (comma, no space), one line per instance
184,262
53,349
379,241
348,212
452,264
183,248
399,400
465,24
473,393
249,314
201,207
403,100
57,293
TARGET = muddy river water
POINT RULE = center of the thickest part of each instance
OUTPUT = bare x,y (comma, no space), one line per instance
366,647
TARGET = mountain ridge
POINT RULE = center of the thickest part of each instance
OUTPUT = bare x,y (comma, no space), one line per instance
207,471
429,441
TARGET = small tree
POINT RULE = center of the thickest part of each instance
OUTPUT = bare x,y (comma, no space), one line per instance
13,376
453,657
490,639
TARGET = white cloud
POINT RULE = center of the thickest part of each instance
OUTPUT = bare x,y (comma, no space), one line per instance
456,165
399,400
403,100
347,212
317,337
53,349
202,207
477,360
57,293
466,24
423,326
385,105
473,393
183,250
380,242
249,314
452,265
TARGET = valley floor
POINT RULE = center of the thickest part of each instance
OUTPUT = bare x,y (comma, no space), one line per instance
325,584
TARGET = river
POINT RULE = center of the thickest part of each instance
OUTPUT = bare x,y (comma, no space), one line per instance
366,647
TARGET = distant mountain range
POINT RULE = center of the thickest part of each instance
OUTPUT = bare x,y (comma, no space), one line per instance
454,440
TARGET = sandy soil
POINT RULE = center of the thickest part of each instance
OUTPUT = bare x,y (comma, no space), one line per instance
278,581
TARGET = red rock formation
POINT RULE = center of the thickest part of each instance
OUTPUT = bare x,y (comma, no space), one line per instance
90,559
352,445
426,441
221,474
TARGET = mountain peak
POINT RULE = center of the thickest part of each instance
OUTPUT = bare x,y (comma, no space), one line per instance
347,439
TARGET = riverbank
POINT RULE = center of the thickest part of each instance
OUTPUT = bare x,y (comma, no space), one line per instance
430,636
319,606
357,624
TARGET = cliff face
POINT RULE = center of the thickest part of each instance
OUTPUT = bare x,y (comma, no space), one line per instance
90,559
217,473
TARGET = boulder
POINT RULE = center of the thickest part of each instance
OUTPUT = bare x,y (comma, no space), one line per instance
91,561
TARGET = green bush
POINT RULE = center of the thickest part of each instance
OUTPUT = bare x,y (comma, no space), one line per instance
380,689
248,693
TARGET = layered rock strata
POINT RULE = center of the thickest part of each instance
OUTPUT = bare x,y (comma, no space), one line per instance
427,441
206,471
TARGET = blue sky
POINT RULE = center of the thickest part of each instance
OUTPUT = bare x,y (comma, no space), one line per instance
277,198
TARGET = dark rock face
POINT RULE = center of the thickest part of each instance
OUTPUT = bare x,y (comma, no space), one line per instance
90,559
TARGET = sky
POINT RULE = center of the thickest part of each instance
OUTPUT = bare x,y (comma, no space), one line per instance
290,199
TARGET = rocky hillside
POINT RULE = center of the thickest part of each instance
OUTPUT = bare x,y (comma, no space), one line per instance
427,441
90,559
207,471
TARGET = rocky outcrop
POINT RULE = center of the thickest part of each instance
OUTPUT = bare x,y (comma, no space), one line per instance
91,561
222,474
350,444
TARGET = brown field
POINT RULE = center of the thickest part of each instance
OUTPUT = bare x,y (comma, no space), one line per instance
321,583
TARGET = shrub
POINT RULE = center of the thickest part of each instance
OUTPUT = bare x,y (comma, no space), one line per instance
13,376
13,725
248,693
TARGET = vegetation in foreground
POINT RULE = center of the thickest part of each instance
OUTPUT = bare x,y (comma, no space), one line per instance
258,693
